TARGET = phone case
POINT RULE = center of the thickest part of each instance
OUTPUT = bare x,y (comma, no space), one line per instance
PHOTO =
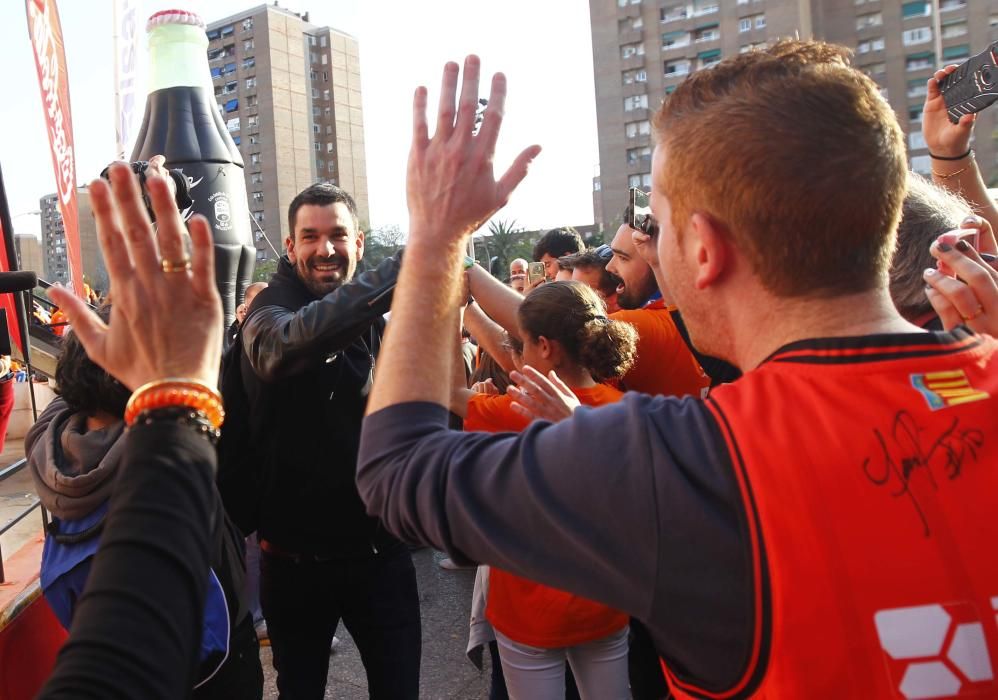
972,86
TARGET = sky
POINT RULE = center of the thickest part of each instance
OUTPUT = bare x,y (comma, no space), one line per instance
543,46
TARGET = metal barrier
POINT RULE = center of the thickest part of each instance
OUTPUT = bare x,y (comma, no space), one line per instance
4,474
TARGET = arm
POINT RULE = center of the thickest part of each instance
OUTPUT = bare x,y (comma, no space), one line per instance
279,342
489,335
496,299
137,626
950,140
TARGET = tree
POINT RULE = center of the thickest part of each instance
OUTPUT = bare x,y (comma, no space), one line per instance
504,244
381,243
265,269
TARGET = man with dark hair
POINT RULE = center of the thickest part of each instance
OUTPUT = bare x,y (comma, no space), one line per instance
554,244
811,530
310,341
589,267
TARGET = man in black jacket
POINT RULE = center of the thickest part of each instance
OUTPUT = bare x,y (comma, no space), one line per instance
310,343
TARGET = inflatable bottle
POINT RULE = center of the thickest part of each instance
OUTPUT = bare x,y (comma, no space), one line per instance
182,122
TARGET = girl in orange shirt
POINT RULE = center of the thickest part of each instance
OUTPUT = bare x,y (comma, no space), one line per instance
564,327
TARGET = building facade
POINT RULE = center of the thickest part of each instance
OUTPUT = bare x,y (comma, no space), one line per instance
642,49
290,94
54,259
29,254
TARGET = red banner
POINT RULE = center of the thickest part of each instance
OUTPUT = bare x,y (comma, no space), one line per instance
53,80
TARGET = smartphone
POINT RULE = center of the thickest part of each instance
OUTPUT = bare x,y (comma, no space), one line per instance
639,212
535,272
973,85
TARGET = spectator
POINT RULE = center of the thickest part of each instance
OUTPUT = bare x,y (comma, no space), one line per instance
554,244
704,508
565,328
518,267
251,291
589,267
310,344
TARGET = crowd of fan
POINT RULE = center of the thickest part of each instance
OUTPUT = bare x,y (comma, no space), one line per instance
602,323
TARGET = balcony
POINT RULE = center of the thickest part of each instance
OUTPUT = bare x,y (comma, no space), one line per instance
636,61
675,15
705,10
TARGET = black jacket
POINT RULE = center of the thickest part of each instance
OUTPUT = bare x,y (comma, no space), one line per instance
307,368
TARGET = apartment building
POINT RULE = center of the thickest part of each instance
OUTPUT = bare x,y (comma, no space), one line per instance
290,94
642,49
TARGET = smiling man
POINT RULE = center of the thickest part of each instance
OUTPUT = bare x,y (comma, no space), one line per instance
310,343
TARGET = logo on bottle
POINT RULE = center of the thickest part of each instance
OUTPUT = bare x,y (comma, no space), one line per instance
223,215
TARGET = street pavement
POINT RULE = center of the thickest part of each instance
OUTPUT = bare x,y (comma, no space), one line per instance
445,672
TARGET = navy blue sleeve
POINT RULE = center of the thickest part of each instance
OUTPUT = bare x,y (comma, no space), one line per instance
634,504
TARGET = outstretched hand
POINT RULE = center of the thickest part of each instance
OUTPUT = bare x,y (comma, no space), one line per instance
538,397
970,297
166,316
451,186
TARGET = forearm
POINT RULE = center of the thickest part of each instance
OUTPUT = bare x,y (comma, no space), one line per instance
964,178
280,342
423,316
489,336
497,300
137,626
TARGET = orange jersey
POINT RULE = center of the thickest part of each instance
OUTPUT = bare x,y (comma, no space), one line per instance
528,612
664,365
869,475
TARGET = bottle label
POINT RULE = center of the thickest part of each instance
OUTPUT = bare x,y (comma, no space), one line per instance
222,211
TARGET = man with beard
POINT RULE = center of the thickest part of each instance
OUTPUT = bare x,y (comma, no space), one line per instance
665,364
310,343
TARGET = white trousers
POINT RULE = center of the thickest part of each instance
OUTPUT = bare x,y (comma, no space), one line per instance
599,667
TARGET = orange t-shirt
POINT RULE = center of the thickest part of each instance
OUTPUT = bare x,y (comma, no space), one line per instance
664,366
527,612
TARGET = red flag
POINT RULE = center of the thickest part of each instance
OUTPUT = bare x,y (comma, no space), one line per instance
53,80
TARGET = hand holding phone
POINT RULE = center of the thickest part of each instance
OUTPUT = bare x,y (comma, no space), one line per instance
535,273
639,212
973,85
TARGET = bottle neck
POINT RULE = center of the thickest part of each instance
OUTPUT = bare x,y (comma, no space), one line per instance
178,58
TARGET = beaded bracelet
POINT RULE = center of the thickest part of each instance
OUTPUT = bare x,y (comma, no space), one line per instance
182,416
172,391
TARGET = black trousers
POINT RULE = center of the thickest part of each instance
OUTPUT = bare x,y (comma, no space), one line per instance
376,597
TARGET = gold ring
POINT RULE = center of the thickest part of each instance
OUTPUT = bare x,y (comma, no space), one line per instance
980,310
176,266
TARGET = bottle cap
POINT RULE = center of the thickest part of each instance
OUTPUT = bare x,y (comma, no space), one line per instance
174,17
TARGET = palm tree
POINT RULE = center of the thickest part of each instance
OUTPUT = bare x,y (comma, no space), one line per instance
502,243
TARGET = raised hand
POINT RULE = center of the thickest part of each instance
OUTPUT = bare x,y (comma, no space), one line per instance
451,185
943,137
166,316
971,300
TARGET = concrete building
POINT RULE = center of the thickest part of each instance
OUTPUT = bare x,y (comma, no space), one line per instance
642,49
55,261
29,253
290,94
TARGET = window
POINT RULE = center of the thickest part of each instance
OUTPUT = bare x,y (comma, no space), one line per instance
635,76
323,41
744,24
228,68
256,178
327,113
213,34
673,13
917,88
954,28
922,35
251,83
254,139
329,129
674,40
916,140
325,95
329,147
635,102
227,31
257,197
251,101
325,59
643,181
216,72
325,76
915,113
254,121
315,93
247,24
674,68
919,61
709,58
704,7
872,19
316,145
236,140
625,3
258,215
635,155
248,45
635,129
953,53
332,166
708,33
311,40
629,24
221,52
743,2
760,21
232,124
316,111
920,8
232,105
249,63
947,5
312,75
875,69
871,45
314,57
629,50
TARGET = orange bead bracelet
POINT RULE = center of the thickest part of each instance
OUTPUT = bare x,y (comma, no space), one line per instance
171,392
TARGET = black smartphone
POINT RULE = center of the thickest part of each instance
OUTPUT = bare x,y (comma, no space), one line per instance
973,85
639,212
